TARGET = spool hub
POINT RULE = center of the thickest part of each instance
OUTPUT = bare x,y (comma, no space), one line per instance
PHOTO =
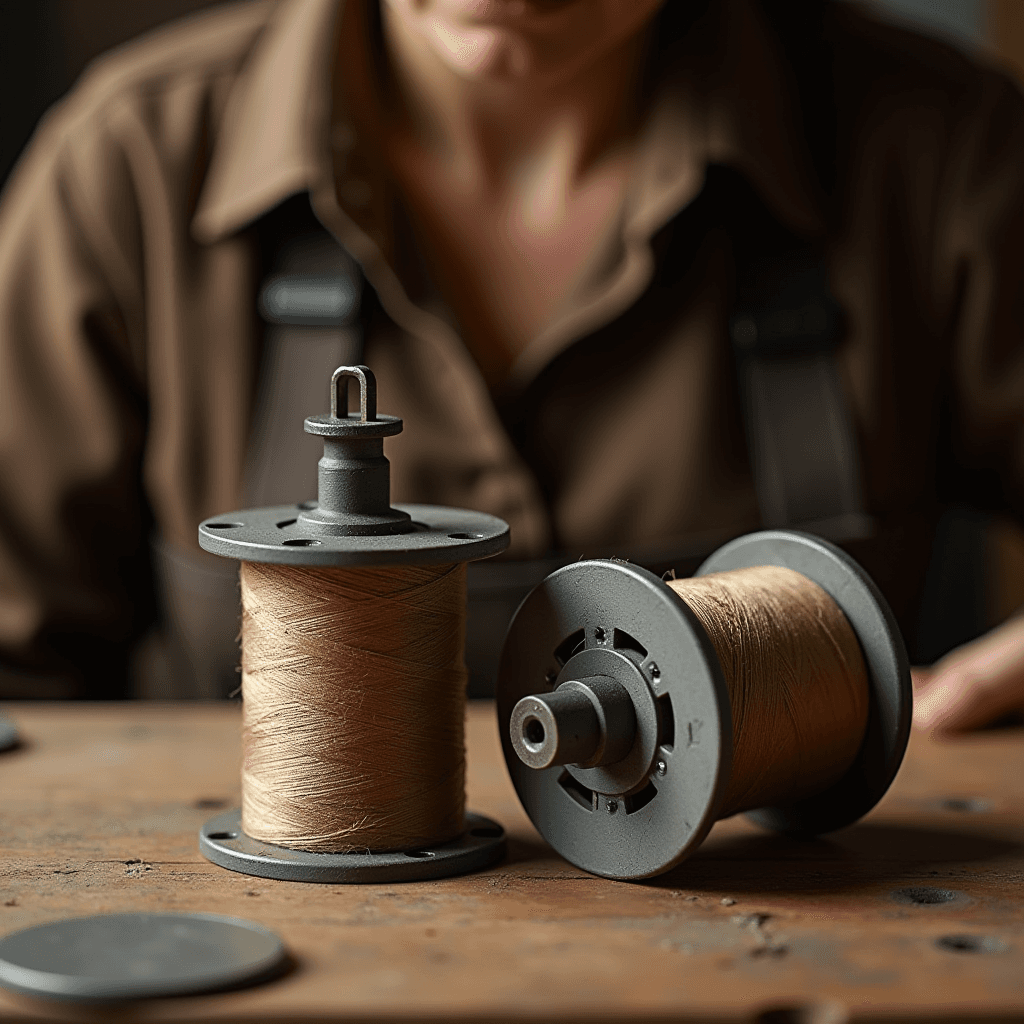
630,793
353,523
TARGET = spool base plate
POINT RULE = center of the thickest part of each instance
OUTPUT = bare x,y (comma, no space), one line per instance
222,841
116,957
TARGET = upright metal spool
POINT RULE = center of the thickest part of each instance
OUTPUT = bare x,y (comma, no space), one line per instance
353,523
616,722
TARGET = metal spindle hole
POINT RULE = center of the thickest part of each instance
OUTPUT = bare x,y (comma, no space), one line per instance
533,733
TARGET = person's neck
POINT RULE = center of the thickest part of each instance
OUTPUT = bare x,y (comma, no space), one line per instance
491,131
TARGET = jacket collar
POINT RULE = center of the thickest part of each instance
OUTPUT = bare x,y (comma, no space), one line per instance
723,96
274,139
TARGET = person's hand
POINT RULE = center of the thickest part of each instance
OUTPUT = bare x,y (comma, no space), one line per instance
973,685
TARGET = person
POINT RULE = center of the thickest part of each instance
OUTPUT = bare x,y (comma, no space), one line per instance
552,205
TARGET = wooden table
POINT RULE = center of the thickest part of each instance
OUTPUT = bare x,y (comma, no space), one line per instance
99,811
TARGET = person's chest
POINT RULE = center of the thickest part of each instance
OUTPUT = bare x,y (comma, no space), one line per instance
507,254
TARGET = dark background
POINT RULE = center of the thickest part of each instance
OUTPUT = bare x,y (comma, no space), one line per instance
45,45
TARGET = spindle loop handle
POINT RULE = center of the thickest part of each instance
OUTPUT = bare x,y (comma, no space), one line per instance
367,392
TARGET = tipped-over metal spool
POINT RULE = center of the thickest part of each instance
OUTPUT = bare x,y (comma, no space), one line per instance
615,717
353,523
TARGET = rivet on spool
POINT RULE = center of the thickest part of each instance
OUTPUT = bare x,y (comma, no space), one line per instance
638,721
353,524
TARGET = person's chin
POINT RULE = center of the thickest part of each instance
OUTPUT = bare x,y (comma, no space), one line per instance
485,52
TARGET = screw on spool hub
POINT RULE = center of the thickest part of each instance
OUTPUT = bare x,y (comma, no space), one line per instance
353,523
598,621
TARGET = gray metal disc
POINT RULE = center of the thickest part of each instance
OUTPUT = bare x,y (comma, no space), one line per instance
222,840
591,607
885,656
277,535
8,733
138,956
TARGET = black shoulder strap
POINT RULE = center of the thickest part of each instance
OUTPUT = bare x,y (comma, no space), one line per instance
786,325
785,330
310,301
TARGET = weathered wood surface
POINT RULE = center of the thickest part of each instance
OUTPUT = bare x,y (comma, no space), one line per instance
100,807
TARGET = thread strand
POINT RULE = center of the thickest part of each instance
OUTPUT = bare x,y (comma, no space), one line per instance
796,679
353,686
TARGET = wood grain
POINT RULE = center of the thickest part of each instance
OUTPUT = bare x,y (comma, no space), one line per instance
100,807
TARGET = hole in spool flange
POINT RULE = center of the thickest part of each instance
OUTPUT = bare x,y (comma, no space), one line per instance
300,542
223,526
622,641
642,799
570,645
575,789
466,536
222,835
419,854
666,722
286,522
971,944
486,833
533,733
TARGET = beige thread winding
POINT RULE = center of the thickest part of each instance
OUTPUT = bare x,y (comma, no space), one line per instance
796,679
354,695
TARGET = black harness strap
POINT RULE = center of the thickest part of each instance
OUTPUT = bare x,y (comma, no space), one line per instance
803,448
310,302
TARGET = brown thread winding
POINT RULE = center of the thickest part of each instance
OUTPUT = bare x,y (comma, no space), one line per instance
354,694
796,679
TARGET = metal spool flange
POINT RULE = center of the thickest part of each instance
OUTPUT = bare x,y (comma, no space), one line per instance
222,840
642,813
352,523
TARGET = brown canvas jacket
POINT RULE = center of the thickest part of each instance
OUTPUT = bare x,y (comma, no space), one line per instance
129,338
